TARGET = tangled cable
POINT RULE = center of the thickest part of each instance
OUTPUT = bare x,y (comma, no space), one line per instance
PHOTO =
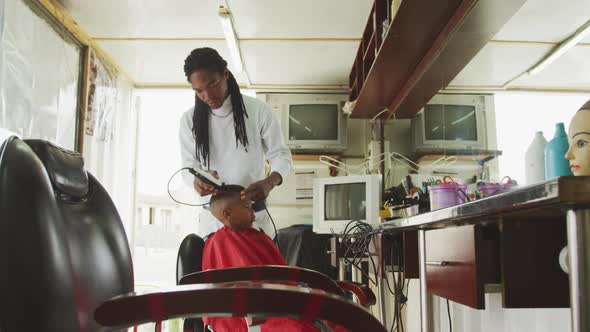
356,239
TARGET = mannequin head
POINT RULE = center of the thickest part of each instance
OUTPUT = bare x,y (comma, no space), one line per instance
579,138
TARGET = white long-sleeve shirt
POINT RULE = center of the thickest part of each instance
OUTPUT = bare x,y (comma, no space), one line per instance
234,164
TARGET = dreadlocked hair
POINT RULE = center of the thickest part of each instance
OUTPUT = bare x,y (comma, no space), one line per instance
208,59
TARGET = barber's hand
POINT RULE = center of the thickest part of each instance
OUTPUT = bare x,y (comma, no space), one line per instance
203,188
259,190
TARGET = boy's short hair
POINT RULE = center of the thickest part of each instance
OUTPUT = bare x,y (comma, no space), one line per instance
586,106
231,191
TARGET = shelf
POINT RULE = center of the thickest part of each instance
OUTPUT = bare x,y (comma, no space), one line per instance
353,92
481,156
369,30
370,49
352,77
427,45
312,157
381,13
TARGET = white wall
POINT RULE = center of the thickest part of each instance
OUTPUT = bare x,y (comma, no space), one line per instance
497,319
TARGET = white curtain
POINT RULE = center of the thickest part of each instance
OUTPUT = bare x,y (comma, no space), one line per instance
39,77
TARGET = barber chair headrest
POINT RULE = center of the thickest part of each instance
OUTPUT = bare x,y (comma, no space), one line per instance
65,168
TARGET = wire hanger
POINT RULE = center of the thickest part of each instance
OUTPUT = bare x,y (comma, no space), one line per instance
400,158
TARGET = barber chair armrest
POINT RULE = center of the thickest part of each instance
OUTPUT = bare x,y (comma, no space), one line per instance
363,293
265,273
237,300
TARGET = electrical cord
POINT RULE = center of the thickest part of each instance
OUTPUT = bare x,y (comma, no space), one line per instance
400,286
356,238
449,314
170,194
276,239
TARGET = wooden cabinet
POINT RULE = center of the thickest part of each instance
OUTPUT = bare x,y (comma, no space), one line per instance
460,261
531,275
520,253
427,44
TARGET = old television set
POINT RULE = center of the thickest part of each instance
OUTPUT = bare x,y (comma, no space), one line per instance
452,122
311,121
339,200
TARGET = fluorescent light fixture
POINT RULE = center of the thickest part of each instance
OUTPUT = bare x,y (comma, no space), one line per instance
560,50
230,37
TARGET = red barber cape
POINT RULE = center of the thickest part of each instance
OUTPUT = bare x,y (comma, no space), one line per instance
230,248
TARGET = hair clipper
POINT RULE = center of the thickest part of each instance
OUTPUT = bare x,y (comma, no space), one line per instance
207,178
217,184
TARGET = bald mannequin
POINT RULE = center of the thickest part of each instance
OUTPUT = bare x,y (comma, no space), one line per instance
578,153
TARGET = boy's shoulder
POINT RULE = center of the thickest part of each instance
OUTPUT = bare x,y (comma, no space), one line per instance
228,234
226,231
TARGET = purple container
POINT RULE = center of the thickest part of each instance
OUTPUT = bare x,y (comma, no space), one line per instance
508,186
489,189
445,195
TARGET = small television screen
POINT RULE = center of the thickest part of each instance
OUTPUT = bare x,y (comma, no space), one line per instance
339,200
450,122
313,122
346,201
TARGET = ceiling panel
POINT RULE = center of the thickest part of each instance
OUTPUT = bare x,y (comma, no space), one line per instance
300,19
570,71
325,63
546,20
305,62
498,63
147,18
198,18
157,62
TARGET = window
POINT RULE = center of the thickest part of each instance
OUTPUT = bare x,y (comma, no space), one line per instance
160,224
519,116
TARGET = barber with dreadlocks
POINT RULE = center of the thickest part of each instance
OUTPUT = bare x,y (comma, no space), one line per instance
230,135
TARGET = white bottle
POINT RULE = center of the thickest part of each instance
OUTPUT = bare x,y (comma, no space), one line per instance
535,159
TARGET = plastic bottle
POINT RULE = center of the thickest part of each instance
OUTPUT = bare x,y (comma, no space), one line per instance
535,159
555,162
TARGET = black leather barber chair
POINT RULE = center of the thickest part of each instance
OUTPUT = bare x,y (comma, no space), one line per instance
63,249
66,264
189,260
